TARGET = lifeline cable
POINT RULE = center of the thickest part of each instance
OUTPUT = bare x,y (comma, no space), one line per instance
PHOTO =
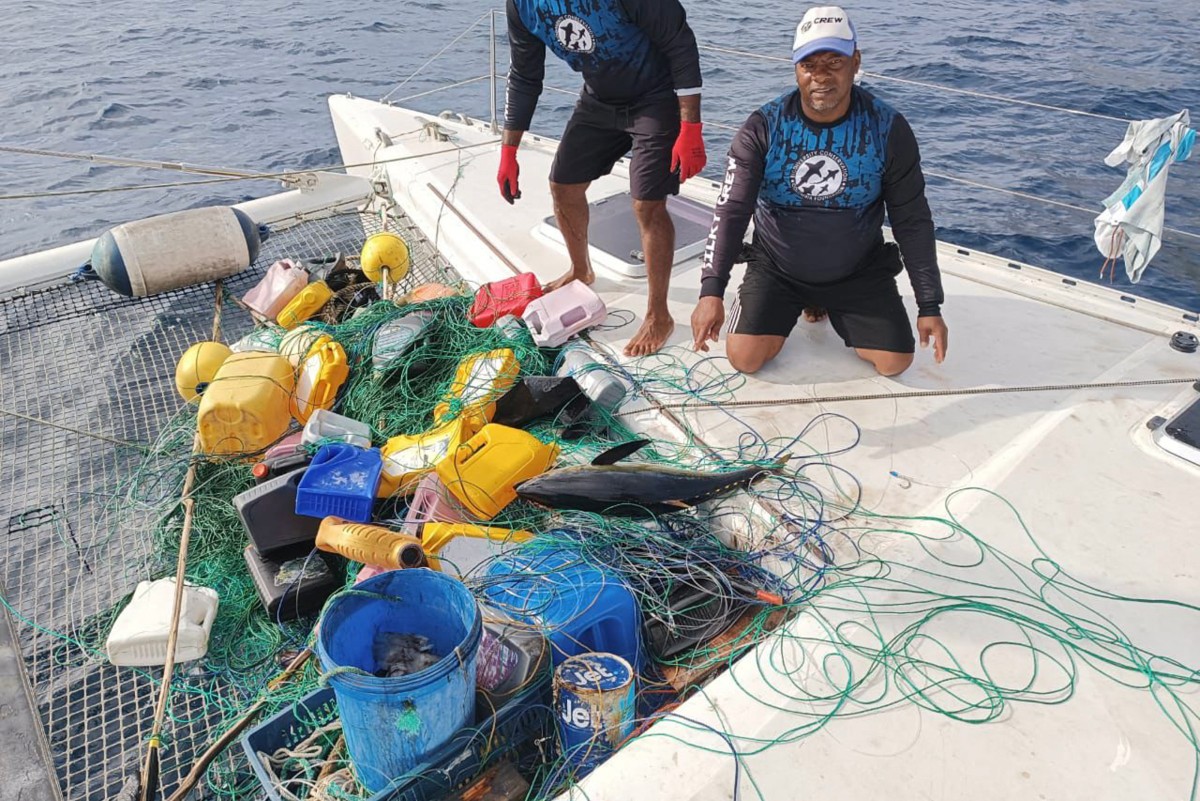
917,393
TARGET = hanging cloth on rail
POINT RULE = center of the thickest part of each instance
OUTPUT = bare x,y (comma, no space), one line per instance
1132,221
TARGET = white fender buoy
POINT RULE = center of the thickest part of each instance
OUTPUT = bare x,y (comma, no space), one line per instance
175,250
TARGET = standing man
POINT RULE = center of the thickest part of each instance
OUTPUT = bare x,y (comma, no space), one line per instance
641,90
815,168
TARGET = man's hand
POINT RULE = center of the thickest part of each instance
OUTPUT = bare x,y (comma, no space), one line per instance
707,320
933,328
510,188
688,154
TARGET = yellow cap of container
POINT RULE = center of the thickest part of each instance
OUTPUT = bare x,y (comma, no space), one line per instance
197,367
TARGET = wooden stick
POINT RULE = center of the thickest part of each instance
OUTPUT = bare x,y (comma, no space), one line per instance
150,767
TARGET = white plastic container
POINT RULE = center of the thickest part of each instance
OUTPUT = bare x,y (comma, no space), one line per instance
601,386
283,281
324,424
559,315
139,635
260,340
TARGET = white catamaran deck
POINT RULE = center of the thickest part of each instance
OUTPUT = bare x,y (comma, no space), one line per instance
1106,507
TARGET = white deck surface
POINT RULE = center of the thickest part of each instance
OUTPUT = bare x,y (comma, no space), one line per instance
1101,500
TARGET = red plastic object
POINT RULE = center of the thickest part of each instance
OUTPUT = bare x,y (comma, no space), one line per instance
499,298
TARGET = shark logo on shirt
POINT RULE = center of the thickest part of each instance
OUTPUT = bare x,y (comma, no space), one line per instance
574,34
819,175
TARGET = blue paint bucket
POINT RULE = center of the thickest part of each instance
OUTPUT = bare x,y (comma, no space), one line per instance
392,724
594,705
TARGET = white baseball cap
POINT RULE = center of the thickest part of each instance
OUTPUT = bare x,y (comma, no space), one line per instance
824,28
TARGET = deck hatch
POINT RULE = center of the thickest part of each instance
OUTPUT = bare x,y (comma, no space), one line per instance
614,238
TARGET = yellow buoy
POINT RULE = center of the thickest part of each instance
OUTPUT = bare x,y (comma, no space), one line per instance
197,367
385,252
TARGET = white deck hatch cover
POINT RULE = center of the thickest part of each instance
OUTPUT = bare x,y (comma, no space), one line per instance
616,242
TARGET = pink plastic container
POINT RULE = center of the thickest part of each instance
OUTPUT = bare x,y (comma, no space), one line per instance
433,502
285,447
559,315
283,281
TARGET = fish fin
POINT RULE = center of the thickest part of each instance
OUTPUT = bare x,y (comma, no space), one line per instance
619,452
677,504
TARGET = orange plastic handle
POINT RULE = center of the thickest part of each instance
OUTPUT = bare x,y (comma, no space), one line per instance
371,545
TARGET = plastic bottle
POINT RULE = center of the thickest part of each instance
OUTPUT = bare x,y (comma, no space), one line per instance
602,387
510,654
559,315
325,424
245,408
509,296
282,282
139,635
472,544
307,303
395,338
321,375
371,545
484,471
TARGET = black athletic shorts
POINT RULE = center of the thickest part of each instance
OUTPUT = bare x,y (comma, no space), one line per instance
598,134
865,309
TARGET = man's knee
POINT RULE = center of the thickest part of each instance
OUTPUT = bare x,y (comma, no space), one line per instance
749,357
650,212
890,364
564,193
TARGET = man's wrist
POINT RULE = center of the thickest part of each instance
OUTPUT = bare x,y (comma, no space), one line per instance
929,310
713,287
689,107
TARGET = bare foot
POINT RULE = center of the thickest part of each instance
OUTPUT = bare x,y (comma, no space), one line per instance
650,337
587,277
814,314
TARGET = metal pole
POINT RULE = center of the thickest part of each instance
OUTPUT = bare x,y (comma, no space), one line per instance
492,70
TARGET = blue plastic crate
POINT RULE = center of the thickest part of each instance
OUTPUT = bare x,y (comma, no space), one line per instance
516,731
286,729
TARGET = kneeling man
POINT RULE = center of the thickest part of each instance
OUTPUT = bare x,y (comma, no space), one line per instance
816,168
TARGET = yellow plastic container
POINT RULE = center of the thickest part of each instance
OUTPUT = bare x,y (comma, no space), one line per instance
371,545
407,458
436,536
484,471
246,407
319,378
304,305
478,383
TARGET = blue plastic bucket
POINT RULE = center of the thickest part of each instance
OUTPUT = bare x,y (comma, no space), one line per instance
391,724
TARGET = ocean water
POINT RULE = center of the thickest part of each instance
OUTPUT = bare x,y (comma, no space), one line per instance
245,86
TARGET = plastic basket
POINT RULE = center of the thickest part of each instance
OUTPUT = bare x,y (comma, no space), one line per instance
286,729
515,732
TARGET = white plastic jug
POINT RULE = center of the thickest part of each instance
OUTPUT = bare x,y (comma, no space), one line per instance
559,315
325,424
139,635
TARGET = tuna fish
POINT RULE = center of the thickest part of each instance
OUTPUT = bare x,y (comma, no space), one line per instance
634,490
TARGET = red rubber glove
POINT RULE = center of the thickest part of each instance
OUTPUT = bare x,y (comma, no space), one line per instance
510,189
688,154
